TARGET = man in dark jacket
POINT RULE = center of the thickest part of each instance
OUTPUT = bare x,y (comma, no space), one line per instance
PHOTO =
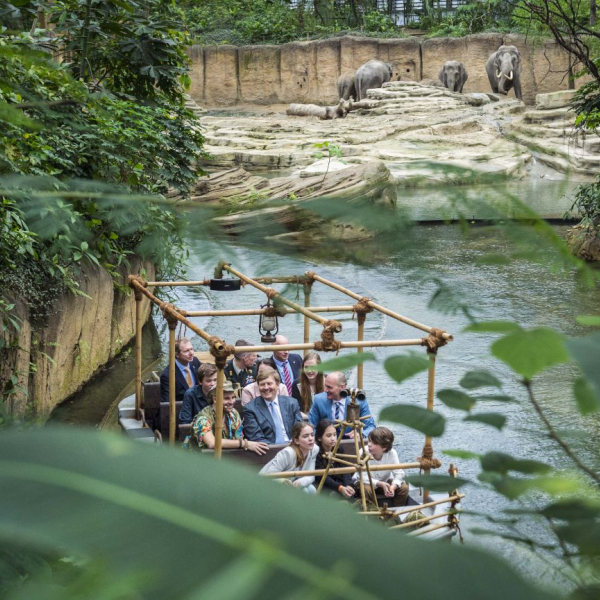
186,369
287,364
196,398
241,369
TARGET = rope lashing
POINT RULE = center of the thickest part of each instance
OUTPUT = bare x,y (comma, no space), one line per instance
328,342
271,293
276,310
136,292
220,350
435,340
426,460
361,308
453,521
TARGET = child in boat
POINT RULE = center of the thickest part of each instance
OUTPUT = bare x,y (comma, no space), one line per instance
204,425
326,437
299,456
390,486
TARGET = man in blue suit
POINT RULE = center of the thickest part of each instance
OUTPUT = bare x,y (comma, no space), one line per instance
330,405
186,371
269,418
287,364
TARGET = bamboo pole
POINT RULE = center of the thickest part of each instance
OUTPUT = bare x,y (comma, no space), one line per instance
219,412
340,470
430,405
361,335
378,307
261,311
178,283
138,355
265,290
418,506
307,291
172,367
423,520
428,529
367,344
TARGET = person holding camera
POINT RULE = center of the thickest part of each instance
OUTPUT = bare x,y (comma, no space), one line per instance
331,404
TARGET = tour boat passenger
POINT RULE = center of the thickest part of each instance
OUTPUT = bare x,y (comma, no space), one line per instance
241,369
269,417
299,456
186,369
331,405
390,486
326,437
196,398
288,365
252,391
203,426
308,384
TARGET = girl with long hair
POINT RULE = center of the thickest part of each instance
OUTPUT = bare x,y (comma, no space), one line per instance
326,437
309,383
299,456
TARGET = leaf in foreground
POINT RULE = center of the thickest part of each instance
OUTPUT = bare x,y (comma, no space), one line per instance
586,352
415,417
437,483
186,519
530,352
476,379
494,419
402,367
342,363
456,399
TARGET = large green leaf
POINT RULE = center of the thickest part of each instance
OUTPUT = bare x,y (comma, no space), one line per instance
585,395
437,483
456,399
573,510
586,352
583,534
476,379
493,327
530,352
462,454
402,366
494,419
513,487
343,363
591,320
415,417
502,463
191,523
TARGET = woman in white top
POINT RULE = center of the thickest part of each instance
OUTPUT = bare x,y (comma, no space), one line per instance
251,391
299,456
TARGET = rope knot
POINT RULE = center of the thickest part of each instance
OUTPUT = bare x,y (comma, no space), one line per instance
328,342
426,460
361,308
435,340
220,350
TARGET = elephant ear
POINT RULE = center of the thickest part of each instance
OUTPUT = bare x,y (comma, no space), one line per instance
441,76
464,73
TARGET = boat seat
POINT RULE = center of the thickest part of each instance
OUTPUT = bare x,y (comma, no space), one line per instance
151,403
164,419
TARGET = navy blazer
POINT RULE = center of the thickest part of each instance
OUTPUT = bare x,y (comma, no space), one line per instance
295,361
193,402
181,385
258,422
321,409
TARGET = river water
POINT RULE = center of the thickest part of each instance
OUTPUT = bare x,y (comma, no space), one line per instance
402,271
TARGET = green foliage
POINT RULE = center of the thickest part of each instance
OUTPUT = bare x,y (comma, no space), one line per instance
76,475
426,421
343,363
493,419
477,379
402,367
437,483
456,399
473,17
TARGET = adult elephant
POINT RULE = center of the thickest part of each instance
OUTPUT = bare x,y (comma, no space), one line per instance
346,86
453,75
371,75
504,71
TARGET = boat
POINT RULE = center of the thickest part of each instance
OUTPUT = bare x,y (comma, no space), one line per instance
145,418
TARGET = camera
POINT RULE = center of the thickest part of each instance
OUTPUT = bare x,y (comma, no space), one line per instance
353,393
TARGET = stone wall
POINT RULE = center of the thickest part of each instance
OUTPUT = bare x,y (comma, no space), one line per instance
54,360
308,71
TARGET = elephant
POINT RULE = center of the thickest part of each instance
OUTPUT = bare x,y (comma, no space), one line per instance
346,88
504,71
453,75
371,75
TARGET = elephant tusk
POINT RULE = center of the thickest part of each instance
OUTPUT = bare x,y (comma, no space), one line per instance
510,76
498,74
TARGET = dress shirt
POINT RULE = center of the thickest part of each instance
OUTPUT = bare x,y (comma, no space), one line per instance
183,368
342,409
281,367
278,410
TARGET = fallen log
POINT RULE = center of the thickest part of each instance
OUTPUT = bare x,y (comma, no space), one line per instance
339,111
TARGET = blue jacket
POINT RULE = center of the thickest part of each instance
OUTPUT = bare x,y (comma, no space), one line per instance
181,385
193,402
258,422
321,409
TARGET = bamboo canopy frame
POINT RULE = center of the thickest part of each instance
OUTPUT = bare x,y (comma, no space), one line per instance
282,306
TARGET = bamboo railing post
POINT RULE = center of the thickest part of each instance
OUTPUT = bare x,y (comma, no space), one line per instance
362,317
307,290
219,411
172,417
430,394
138,353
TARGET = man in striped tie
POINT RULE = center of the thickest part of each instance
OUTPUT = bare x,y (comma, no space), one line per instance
287,364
